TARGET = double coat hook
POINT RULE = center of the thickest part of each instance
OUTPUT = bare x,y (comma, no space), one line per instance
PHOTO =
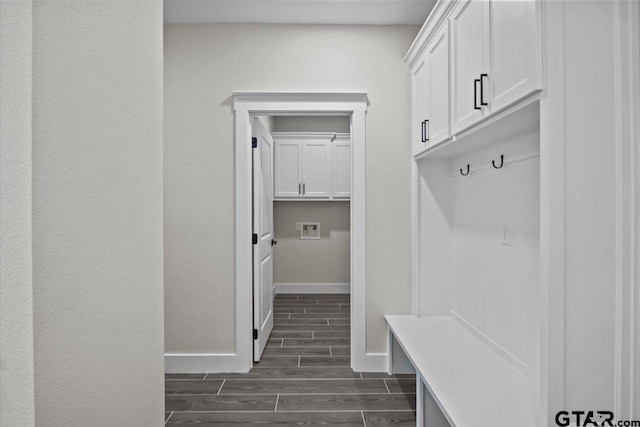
493,163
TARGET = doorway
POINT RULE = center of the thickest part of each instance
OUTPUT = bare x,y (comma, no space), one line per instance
301,219
250,105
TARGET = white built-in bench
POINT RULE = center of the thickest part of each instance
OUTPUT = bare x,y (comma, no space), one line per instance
460,380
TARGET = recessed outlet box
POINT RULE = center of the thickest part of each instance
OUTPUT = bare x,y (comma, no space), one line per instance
310,231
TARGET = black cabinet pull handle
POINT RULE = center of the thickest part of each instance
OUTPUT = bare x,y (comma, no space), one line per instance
427,130
299,189
304,189
423,130
475,94
482,76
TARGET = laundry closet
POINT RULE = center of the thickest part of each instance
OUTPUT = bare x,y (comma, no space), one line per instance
311,208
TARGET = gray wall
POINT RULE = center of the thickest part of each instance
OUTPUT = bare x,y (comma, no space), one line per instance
16,281
312,261
97,213
341,124
204,65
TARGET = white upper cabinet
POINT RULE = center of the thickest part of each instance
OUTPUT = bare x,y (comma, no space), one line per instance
342,167
316,169
419,107
472,59
288,173
495,57
438,125
430,93
515,63
469,51
312,166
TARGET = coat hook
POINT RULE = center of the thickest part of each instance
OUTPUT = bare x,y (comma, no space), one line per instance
465,174
493,162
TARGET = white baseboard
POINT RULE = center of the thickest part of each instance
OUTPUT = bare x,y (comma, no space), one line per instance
371,362
312,288
196,363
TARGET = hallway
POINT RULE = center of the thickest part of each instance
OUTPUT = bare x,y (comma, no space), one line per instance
303,378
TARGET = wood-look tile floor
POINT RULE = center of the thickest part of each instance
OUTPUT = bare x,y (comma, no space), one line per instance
303,379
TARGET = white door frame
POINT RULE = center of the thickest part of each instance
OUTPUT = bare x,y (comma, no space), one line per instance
248,105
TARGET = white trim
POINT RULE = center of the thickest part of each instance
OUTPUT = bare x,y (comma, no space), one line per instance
309,135
372,362
438,15
626,69
248,104
415,247
196,363
497,348
552,215
304,98
312,288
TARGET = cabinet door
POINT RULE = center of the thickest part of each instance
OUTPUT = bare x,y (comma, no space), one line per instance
288,169
419,105
515,51
316,169
342,169
468,57
438,126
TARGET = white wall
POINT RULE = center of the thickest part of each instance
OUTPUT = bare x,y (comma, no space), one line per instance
590,204
204,65
97,213
312,261
16,291
496,287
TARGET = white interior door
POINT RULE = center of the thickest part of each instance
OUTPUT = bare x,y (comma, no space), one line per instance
263,238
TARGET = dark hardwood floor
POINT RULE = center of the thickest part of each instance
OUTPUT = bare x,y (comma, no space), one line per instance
303,379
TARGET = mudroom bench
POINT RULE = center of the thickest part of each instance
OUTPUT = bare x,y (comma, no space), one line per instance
460,380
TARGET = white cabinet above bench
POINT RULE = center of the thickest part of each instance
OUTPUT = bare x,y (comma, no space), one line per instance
312,166
472,59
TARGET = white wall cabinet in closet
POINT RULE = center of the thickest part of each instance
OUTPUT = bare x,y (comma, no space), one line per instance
341,149
312,166
288,173
316,169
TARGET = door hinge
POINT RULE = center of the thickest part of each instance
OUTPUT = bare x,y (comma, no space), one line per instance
254,239
255,334
254,142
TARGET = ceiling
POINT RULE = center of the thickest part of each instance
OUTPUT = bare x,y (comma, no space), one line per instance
359,12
